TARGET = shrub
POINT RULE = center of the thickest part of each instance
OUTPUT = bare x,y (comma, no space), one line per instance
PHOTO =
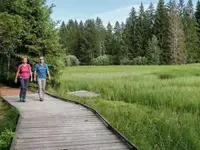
136,61
7,125
101,60
71,60
9,121
111,59
126,61
140,60
5,139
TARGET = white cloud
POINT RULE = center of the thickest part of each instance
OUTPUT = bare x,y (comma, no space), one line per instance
119,14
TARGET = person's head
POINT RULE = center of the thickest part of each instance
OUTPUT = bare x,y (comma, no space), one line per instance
24,59
42,60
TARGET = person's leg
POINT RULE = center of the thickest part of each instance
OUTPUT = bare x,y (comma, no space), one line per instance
26,81
40,88
22,89
43,88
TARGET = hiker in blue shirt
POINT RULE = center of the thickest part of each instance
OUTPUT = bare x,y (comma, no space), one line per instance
41,71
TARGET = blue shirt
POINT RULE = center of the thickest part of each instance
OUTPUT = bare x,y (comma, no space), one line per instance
41,70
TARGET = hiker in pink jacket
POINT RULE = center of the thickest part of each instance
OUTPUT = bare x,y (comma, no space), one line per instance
24,73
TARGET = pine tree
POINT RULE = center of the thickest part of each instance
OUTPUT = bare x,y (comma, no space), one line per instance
109,40
150,12
161,30
181,7
177,36
63,37
197,15
117,43
139,33
122,26
38,35
153,54
38,23
124,48
192,40
2,5
10,34
143,32
89,42
101,33
149,28
189,8
72,36
130,32
81,52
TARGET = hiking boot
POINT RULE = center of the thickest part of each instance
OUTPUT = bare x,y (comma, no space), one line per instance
20,99
23,99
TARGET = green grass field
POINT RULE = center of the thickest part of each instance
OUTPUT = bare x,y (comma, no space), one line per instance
156,107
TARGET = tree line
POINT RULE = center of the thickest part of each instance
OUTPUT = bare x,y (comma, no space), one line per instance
169,34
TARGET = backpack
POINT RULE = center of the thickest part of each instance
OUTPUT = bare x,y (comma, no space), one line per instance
38,65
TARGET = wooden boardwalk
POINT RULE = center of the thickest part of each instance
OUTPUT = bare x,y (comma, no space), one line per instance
58,125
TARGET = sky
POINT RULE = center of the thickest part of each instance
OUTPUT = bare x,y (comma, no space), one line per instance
107,10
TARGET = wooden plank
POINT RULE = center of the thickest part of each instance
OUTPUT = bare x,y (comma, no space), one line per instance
56,125
86,121
71,144
97,130
117,146
61,137
69,119
80,130
74,126
70,140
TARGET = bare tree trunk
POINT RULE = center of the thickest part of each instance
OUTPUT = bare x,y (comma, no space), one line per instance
8,67
177,37
1,64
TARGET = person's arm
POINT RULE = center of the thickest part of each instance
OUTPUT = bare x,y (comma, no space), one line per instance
49,75
31,73
35,73
17,74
